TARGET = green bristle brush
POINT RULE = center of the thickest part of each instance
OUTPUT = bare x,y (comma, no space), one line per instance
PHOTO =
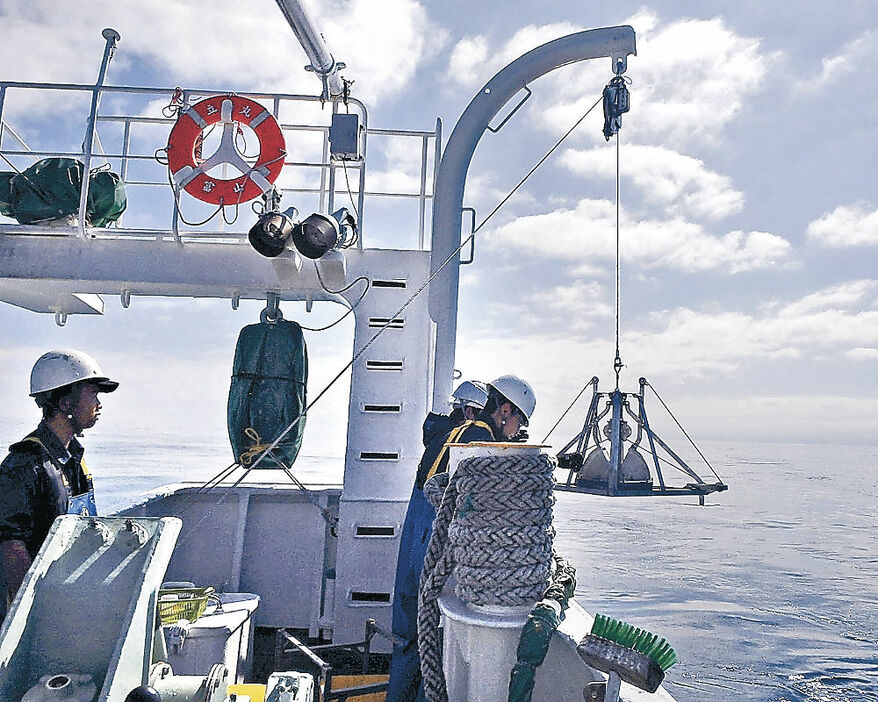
636,656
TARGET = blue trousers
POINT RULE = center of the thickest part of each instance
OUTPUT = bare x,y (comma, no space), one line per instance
405,683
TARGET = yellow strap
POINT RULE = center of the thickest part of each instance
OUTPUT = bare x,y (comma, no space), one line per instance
452,439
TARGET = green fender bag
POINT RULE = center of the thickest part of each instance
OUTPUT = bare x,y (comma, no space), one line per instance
50,188
267,392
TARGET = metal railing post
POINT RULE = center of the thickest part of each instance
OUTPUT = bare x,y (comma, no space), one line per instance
2,102
112,36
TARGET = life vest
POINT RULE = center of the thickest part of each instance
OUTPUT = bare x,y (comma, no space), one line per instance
82,504
455,434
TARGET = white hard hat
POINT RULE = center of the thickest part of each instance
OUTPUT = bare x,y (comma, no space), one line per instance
56,369
518,392
470,393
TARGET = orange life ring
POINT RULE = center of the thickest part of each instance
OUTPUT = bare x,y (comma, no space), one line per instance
190,173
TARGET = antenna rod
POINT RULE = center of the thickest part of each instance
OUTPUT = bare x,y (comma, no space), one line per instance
322,62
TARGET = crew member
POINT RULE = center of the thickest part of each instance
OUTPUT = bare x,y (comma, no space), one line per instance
508,407
466,401
44,475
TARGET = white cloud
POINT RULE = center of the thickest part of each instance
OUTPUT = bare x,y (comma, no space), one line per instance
690,78
218,43
829,320
836,297
383,41
682,346
551,308
846,225
473,61
400,170
862,353
680,184
855,54
756,416
588,232
468,53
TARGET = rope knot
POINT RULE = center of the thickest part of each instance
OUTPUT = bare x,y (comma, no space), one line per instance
247,457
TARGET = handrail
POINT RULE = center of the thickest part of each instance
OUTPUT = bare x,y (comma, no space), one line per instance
126,153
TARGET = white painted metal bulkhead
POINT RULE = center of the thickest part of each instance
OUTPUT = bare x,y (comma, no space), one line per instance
388,402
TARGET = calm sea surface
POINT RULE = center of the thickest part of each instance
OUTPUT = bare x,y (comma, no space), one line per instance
769,592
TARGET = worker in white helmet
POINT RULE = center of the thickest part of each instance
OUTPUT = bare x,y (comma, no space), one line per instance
467,401
507,407
44,474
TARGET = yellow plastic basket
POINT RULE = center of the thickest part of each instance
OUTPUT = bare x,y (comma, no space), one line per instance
183,603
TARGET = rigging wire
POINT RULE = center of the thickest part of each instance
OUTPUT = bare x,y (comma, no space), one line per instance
538,164
685,433
569,407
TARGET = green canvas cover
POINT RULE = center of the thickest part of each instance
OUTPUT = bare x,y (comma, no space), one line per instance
6,193
50,188
106,198
267,392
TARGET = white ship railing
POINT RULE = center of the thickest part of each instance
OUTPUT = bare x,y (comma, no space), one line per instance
325,187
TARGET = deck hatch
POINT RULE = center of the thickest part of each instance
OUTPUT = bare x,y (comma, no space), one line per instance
384,365
379,455
379,322
375,531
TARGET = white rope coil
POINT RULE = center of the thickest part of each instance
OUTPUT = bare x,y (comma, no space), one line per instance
493,529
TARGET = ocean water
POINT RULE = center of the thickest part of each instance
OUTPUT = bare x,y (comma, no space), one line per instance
768,593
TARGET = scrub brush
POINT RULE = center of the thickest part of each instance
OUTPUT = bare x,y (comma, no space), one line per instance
628,652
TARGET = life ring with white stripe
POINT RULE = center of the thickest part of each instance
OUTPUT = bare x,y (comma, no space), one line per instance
191,172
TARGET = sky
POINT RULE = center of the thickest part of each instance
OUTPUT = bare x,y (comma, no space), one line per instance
748,213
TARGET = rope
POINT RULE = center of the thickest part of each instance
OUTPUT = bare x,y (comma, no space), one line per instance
493,529
538,164
247,457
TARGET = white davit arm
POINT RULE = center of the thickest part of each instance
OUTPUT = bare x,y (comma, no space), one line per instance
616,43
322,62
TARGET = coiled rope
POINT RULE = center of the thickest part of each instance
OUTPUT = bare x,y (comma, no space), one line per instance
493,529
